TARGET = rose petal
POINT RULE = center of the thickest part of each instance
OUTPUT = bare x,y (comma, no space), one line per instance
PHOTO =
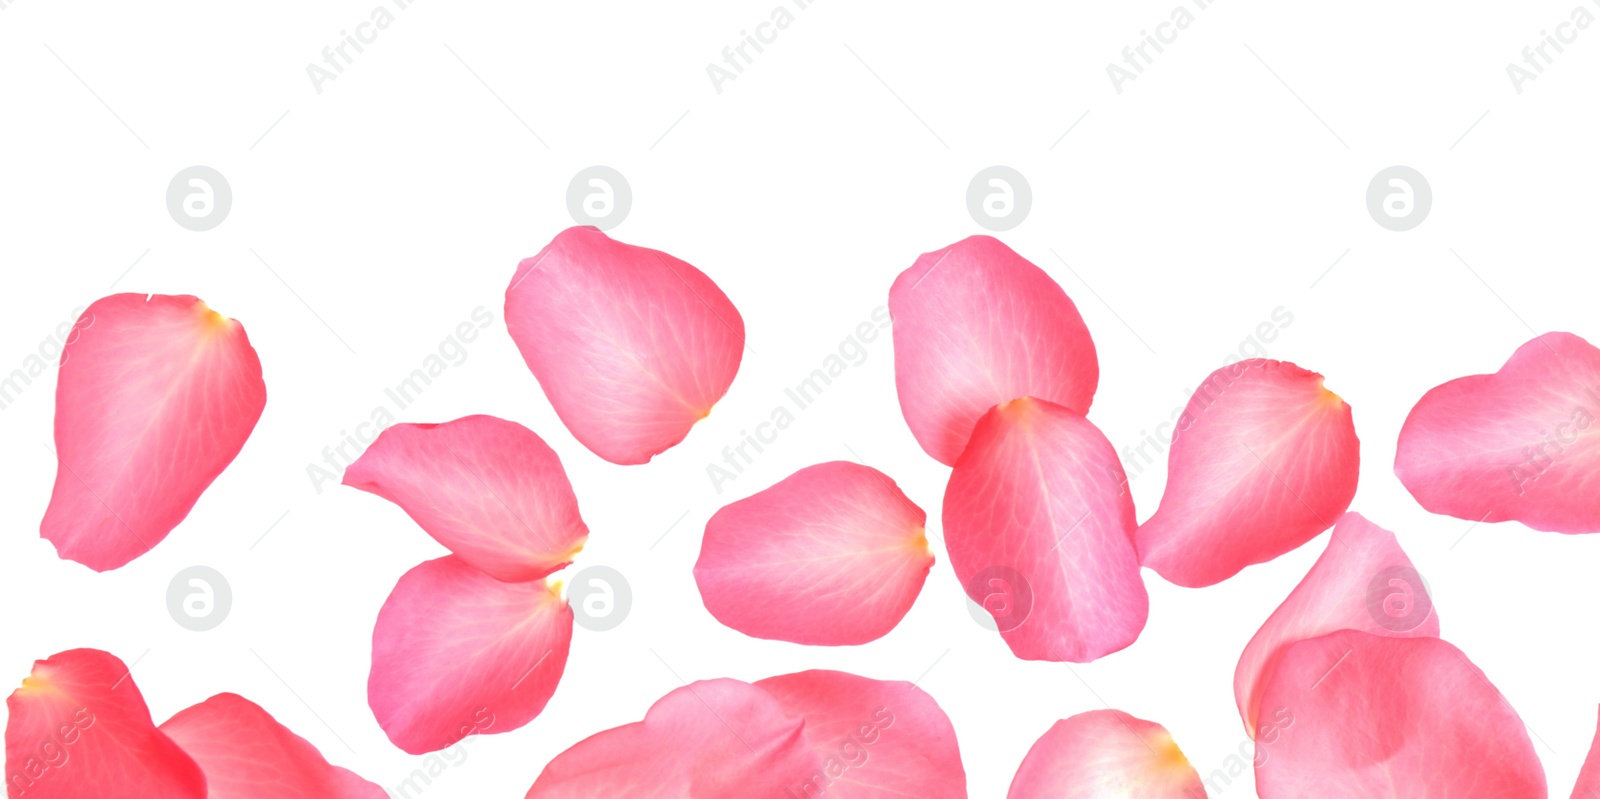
631,345
1390,718
1264,459
1588,786
1363,581
490,490
156,396
1106,754
247,754
1039,527
457,652
79,729
975,325
714,739
875,739
1515,445
832,555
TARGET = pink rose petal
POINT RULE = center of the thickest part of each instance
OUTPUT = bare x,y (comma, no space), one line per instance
1106,754
631,345
1392,718
874,739
975,325
246,754
457,652
833,555
79,729
1363,581
490,490
1588,786
156,396
1263,460
1516,445
714,739
1039,527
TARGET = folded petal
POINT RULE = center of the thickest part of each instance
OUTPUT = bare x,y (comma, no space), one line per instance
1517,445
631,345
874,739
1106,754
79,729
1588,786
1390,718
1363,581
714,739
490,490
1040,531
833,555
156,396
975,325
457,652
1264,459
246,754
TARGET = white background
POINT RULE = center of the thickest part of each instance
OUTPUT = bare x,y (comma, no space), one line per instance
401,197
